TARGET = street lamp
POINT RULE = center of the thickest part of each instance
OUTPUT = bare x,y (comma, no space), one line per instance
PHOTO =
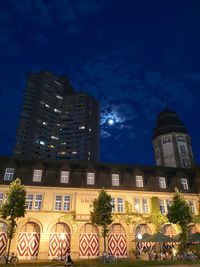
139,237
62,237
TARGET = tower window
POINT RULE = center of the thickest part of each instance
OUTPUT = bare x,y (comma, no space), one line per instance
166,139
181,138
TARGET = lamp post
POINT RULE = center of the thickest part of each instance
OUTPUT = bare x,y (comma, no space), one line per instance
62,237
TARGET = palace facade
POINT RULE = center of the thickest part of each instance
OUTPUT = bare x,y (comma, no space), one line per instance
60,194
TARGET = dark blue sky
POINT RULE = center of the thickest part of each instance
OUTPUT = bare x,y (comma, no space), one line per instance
133,56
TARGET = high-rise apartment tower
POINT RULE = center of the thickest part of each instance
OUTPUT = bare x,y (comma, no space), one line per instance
56,122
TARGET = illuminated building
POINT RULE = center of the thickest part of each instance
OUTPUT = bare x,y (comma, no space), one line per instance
59,198
56,122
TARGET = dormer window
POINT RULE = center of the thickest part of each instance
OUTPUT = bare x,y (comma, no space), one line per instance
162,182
9,174
184,183
64,177
139,181
90,178
37,175
115,179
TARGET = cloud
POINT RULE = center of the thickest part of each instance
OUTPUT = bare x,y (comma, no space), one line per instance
105,134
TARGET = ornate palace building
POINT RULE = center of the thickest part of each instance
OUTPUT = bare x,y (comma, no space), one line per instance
60,194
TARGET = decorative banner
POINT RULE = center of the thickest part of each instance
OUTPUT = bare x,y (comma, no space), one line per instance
28,245
3,243
117,245
89,245
58,244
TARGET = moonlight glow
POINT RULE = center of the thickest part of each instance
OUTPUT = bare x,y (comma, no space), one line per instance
110,121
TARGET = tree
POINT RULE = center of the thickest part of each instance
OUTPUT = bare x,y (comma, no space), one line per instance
102,213
13,207
156,217
180,213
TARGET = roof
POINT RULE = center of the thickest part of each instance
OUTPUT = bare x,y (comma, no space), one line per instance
78,170
168,122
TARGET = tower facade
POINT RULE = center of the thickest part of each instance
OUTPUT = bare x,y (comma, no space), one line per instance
56,122
171,141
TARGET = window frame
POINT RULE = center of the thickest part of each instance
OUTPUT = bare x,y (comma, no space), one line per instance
90,178
184,183
115,179
9,175
64,177
139,181
162,182
37,177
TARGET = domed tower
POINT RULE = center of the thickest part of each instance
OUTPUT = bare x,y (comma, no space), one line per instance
171,141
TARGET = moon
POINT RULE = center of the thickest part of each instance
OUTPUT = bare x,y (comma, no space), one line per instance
110,121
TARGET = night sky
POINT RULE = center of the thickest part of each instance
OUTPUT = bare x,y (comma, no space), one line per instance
135,57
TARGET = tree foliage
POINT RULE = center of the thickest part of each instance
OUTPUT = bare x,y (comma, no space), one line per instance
102,212
13,207
156,217
180,213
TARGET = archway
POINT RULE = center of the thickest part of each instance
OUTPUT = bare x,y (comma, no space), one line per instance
3,237
117,243
168,229
143,229
59,240
88,241
28,241
192,228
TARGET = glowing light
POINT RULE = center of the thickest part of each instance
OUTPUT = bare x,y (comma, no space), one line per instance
139,236
110,121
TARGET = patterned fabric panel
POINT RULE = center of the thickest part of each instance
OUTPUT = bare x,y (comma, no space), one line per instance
58,246
144,247
117,244
89,245
3,243
28,244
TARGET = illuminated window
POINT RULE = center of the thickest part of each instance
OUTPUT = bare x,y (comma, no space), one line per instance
29,202
137,205
90,178
54,137
59,97
38,202
74,152
145,205
115,179
192,206
113,204
64,177
66,204
57,110
42,143
9,174
184,183
139,181
162,206
81,127
62,203
58,203
37,175
1,199
162,182
120,204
